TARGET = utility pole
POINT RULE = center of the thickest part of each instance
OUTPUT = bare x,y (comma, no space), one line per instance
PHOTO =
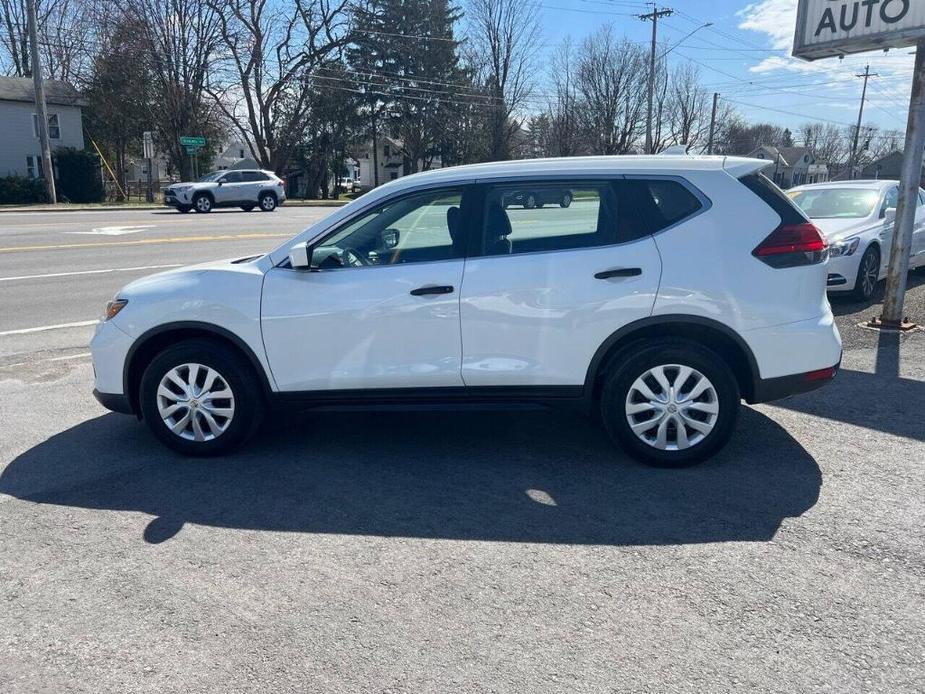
713,123
653,16
908,198
857,132
41,110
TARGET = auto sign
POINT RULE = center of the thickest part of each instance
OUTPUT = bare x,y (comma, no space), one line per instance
827,28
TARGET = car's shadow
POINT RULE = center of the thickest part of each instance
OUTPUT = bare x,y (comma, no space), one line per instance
520,476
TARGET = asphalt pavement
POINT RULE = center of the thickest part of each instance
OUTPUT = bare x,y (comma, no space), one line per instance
438,550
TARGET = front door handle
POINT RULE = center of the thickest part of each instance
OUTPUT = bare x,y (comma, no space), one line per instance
438,289
618,272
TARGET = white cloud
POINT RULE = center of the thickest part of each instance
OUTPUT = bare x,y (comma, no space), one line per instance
776,20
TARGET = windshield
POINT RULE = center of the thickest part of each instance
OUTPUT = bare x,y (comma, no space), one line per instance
214,176
827,203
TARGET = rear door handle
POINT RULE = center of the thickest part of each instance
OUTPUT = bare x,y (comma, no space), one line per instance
439,289
618,272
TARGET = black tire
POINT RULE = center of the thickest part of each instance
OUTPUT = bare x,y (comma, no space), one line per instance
530,201
634,363
247,208
864,284
267,202
566,200
237,373
202,203
183,209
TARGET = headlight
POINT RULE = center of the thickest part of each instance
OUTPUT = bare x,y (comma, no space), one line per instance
182,189
113,308
845,247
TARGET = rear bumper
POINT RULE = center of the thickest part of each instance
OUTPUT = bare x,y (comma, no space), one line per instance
769,389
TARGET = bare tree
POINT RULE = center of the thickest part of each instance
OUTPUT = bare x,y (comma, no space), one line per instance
268,54
181,40
612,82
690,107
505,36
827,141
65,35
564,134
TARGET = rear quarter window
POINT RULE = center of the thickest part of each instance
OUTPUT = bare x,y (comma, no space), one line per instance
775,198
663,202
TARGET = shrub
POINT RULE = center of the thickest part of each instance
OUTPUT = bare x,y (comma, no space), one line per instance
79,178
21,190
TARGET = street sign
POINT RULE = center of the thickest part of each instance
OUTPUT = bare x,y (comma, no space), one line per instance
828,28
192,149
197,141
147,138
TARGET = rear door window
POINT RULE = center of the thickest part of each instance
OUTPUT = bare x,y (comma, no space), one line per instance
532,217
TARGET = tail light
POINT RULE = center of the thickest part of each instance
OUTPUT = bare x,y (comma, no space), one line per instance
792,245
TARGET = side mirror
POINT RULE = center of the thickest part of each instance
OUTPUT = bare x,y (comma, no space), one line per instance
300,256
220,181
889,215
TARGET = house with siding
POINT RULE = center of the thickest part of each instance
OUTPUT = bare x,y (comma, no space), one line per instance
20,150
793,166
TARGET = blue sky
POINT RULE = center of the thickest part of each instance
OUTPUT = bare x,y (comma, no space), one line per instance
745,57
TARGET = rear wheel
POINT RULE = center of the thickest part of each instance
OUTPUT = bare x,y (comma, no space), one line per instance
202,203
267,202
201,398
530,201
672,403
868,275
566,200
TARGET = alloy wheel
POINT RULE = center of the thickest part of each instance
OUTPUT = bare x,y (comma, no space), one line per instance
672,407
195,402
870,273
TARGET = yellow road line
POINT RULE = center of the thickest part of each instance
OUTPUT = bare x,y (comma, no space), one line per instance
145,242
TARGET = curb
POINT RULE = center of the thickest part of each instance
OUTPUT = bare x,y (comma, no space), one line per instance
124,208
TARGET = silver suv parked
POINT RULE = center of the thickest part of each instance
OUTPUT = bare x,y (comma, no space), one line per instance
244,188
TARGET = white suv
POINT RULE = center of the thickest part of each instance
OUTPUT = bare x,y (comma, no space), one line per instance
670,288
244,188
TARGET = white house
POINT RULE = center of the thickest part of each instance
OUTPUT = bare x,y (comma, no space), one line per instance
793,166
235,155
20,150
391,162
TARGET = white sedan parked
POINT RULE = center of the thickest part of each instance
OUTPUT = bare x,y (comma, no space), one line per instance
857,219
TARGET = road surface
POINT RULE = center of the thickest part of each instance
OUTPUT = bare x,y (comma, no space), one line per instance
426,551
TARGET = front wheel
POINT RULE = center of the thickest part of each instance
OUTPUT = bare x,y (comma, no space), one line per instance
530,201
868,275
247,208
201,398
566,200
672,403
183,209
202,203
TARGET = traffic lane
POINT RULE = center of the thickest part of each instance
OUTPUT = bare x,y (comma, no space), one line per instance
108,253
37,300
39,228
434,558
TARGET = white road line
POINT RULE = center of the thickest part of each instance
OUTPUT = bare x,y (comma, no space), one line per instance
89,272
44,361
43,328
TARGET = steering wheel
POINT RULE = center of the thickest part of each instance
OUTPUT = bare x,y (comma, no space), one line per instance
354,259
